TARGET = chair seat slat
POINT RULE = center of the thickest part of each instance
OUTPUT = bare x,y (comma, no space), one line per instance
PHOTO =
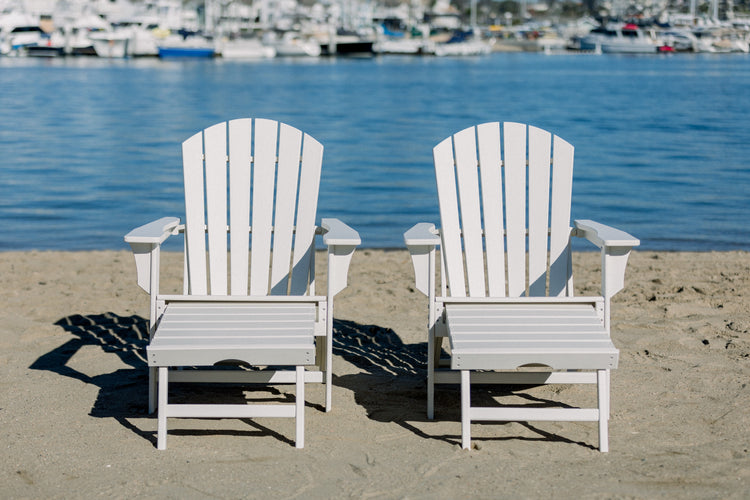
511,336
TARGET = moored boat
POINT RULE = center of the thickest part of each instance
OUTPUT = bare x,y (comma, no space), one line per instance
347,43
463,43
45,49
16,37
405,46
110,44
292,44
173,51
186,45
245,48
620,39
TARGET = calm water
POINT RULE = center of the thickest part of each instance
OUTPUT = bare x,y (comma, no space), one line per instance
91,148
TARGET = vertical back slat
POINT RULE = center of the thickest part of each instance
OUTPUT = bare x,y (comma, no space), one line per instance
468,191
215,147
264,171
539,165
240,168
195,236
490,168
290,142
307,206
562,189
515,205
450,231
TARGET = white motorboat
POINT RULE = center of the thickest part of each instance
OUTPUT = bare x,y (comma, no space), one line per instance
682,40
720,40
347,43
111,44
292,44
620,39
463,44
19,31
405,46
245,48
143,41
186,45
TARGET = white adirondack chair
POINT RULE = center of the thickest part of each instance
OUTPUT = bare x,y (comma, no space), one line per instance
501,312
259,307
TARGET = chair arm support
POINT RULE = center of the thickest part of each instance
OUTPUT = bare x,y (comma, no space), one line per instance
421,240
615,248
145,242
341,241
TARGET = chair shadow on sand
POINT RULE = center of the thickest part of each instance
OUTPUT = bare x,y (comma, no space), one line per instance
123,393
390,384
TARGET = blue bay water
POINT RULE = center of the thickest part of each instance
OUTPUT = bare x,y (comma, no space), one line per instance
90,148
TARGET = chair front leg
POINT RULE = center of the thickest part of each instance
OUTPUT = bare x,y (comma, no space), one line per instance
465,409
329,353
161,431
602,384
299,416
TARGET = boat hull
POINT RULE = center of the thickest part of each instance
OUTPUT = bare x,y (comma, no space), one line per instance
607,47
177,52
361,47
110,47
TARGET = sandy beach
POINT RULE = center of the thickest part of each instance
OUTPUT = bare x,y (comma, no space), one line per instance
74,422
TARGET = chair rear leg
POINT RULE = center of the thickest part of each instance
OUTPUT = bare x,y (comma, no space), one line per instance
299,413
602,384
161,431
465,409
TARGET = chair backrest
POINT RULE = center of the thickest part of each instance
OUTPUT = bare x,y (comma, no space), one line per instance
497,202
244,174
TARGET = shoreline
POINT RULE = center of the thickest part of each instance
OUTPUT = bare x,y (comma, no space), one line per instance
73,406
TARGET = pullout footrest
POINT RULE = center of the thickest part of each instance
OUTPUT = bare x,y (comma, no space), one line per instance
490,336
203,334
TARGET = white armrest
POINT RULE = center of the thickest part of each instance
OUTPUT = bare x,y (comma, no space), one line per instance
421,240
615,246
338,233
154,232
604,236
420,234
341,241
